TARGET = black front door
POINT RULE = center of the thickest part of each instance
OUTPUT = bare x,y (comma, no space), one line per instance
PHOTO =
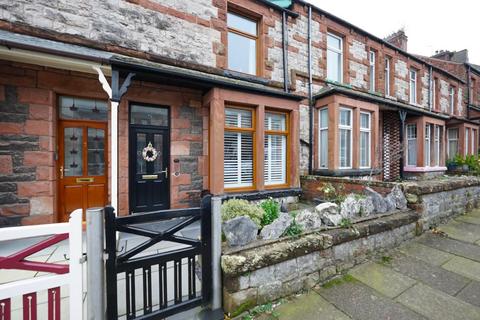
149,160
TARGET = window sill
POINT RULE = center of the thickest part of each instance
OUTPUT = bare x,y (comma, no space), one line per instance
347,172
423,169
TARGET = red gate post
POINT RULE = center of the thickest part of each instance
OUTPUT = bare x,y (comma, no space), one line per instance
5,309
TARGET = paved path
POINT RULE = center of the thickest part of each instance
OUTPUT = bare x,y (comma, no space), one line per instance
432,277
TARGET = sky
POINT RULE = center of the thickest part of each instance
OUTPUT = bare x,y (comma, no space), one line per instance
430,25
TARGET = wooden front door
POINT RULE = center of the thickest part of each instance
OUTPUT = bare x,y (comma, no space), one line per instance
149,158
82,155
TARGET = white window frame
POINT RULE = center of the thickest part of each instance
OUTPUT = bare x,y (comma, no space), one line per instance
268,137
348,128
369,132
387,76
436,149
452,100
427,145
320,130
413,82
371,54
451,156
416,144
467,134
338,51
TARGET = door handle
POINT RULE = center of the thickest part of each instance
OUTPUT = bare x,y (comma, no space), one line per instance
165,171
61,172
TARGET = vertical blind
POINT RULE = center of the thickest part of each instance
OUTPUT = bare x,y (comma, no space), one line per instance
275,154
238,148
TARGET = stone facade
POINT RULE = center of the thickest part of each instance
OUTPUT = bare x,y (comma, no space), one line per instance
401,80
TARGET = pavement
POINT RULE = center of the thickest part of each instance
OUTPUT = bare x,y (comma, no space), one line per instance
436,276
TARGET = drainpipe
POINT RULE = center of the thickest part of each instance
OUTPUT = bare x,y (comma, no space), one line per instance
310,98
468,91
403,116
430,84
285,51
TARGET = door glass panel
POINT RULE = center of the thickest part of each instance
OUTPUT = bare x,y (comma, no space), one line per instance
73,156
83,109
149,116
158,145
141,163
96,152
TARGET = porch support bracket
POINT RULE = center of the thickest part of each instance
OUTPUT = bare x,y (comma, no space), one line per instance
115,94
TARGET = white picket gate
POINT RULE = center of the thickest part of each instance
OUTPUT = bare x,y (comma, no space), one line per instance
59,275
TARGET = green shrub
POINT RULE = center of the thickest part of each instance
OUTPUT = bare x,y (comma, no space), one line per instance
293,230
237,207
272,210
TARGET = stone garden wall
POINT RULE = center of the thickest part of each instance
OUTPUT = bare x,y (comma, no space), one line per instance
439,199
270,270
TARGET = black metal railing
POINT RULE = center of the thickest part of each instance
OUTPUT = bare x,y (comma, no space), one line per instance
172,274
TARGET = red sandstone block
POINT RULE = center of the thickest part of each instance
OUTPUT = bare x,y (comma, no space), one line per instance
40,112
38,127
21,209
180,148
46,143
34,188
180,123
10,128
45,173
183,178
34,95
6,166
40,219
38,158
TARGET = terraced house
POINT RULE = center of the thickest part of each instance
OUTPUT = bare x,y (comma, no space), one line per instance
148,104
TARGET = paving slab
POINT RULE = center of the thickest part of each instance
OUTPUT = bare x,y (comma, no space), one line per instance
363,303
471,293
437,305
474,213
469,219
434,276
462,231
465,267
382,279
460,248
310,306
427,254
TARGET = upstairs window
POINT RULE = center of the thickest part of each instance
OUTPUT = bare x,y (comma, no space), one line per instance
334,58
323,137
242,43
371,56
452,100
387,76
411,145
413,86
275,161
345,133
238,148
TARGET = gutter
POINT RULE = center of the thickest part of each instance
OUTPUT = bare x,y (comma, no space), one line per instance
279,8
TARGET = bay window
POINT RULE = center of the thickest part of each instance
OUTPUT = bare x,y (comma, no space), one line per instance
334,58
427,145
413,86
275,155
345,137
238,148
365,139
467,134
242,43
436,145
323,137
411,145
452,145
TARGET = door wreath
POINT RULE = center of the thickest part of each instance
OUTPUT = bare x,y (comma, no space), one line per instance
149,153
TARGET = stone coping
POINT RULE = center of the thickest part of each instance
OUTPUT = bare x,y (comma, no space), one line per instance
349,180
247,259
445,183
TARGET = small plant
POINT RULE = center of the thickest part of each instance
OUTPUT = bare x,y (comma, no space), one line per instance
237,207
293,230
266,308
271,209
338,281
346,223
386,259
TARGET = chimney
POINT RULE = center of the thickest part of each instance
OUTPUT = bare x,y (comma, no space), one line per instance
454,56
399,39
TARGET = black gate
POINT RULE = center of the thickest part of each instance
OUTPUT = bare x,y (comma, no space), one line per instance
167,280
